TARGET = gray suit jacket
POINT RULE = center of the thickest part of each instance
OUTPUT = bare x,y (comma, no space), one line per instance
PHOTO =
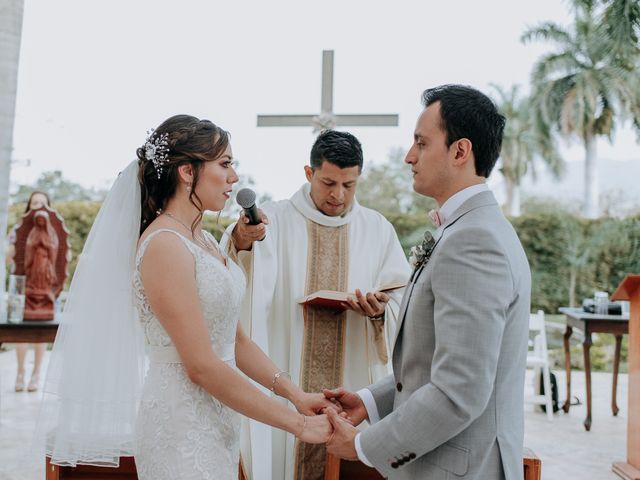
453,408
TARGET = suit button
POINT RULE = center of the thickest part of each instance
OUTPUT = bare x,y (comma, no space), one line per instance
412,455
406,459
399,386
401,462
394,465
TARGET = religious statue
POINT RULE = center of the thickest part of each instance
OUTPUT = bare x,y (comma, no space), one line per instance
39,265
41,255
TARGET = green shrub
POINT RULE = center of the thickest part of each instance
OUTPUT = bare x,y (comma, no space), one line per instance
570,257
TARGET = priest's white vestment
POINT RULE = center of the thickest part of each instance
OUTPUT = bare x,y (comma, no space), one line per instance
277,271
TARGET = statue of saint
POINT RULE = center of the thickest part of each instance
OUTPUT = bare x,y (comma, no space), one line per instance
41,252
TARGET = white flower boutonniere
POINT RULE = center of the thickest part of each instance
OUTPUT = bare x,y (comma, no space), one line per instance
419,254
416,256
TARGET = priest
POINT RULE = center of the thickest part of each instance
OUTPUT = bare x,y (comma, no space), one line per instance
319,239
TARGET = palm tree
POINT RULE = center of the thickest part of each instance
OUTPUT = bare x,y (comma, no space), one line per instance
622,26
11,28
522,142
587,85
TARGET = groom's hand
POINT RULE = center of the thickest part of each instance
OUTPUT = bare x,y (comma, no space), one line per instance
342,442
351,404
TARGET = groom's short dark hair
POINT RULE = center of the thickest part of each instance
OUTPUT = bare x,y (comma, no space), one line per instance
469,113
340,148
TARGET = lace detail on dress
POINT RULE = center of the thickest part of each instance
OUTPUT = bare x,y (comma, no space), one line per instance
182,431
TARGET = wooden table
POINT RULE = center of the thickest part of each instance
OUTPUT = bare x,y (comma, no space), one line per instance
617,325
30,331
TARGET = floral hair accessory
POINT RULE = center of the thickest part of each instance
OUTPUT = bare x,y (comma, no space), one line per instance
156,150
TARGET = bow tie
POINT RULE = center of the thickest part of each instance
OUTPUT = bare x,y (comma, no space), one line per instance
436,217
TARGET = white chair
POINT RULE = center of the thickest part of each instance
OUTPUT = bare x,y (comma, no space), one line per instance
538,359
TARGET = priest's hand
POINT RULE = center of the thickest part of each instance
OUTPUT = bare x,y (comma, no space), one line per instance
342,442
314,403
351,403
243,234
371,304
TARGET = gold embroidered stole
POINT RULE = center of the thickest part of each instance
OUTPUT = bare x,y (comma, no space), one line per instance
324,331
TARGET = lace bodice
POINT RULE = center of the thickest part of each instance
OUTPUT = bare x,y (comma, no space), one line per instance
182,431
220,289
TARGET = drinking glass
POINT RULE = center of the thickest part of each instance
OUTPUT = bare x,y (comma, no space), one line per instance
601,303
15,298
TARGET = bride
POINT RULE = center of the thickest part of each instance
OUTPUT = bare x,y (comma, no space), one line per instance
150,278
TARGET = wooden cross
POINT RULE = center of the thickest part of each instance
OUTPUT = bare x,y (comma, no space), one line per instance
326,118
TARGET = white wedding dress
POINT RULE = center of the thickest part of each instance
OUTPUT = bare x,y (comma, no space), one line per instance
182,431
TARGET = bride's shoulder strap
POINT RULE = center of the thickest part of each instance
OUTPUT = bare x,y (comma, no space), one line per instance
145,243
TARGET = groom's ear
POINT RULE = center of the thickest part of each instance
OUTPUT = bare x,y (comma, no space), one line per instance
462,151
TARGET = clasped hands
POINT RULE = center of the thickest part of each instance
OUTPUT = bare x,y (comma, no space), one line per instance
339,411
331,416
332,419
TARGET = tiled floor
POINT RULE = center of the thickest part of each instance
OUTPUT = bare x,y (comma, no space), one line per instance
566,449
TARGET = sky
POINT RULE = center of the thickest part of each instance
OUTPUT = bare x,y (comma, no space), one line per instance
95,76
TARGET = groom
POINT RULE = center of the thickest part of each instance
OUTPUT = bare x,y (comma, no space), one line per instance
454,403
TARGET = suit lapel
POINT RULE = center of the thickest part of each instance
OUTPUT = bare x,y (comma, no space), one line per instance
482,199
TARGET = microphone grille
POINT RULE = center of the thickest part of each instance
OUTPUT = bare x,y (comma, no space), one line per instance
246,198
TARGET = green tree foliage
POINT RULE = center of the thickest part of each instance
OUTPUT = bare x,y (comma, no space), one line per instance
590,81
546,239
572,257
615,252
388,188
58,188
522,144
621,19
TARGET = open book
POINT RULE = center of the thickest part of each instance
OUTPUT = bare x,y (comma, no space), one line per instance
334,299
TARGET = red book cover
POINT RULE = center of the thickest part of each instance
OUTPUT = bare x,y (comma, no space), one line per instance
336,300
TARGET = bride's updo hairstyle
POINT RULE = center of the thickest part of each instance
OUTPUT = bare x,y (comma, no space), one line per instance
179,140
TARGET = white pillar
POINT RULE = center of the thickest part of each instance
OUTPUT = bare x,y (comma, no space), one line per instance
11,12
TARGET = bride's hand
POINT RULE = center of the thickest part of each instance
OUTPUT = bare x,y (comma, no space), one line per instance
316,429
314,403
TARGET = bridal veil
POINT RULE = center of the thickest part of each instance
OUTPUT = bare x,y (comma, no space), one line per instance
95,375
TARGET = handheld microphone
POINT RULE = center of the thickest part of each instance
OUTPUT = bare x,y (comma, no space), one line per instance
246,198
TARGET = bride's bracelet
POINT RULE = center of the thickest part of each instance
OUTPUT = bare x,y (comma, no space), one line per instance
275,380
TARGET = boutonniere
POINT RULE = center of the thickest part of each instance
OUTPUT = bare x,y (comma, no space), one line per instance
419,254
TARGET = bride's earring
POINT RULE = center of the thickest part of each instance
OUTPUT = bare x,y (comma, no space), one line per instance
189,187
